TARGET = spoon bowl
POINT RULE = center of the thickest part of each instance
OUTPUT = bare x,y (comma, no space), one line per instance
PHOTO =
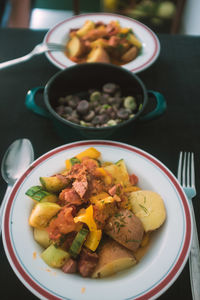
16,160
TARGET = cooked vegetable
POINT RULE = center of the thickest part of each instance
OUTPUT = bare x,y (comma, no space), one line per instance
119,173
130,102
55,257
42,237
71,162
98,54
130,54
133,40
113,258
126,229
75,47
78,242
86,28
90,152
149,207
38,194
42,214
86,216
93,239
53,184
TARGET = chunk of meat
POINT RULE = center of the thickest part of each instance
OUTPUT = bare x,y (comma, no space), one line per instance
69,196
63,223
95,34
87,262
115,189
80,187
70,266
114,41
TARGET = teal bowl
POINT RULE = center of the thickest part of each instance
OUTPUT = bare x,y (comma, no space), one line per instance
82,77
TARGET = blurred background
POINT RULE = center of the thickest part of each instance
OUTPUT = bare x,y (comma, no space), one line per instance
162,16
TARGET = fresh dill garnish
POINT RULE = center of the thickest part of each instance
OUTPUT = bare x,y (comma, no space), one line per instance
144,208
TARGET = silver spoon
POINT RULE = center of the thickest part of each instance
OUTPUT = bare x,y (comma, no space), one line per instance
16,160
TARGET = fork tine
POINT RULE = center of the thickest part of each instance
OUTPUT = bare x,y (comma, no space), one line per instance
184,169
180,167
188,167
192,170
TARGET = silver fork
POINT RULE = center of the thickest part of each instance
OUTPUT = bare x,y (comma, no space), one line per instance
39,49
186,177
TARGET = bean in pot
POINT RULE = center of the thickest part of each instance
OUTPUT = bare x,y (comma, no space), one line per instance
103,107
83,107
110,88
130,102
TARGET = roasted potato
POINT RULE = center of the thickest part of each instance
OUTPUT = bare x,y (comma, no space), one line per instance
113,258
125,228
98,54
75,47
130,54
149,207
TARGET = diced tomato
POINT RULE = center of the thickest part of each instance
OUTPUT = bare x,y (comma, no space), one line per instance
62,224
133,179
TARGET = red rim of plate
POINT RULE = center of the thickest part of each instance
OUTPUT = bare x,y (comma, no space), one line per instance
157,289
136,69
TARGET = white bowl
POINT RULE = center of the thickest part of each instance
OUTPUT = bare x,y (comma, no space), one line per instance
158,269
150,43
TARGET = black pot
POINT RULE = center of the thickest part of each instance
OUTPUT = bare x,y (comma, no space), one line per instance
82,77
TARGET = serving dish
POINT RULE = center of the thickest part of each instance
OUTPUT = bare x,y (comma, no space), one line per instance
155,273
150,43
72,80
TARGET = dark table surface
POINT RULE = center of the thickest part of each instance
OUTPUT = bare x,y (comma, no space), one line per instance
175,74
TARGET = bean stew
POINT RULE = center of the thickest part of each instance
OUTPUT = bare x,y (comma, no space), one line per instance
103,107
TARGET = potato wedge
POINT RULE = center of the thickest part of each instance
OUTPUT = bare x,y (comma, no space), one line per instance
119,173
113,258
41,236
130,54
75,47
42,213
98,54
149,207
88,25
125,228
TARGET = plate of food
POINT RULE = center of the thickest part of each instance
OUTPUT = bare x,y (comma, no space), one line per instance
104,37
99,218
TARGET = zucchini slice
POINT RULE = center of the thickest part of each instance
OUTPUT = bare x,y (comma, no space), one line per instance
41,236
78,242
55,257
52,184
38,194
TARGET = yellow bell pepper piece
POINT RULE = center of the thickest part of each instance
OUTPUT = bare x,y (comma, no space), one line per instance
131,188
124,30
86,216
106,176
98,197
93,239
90,152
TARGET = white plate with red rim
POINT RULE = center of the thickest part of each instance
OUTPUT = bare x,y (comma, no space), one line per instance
150,43
151,277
